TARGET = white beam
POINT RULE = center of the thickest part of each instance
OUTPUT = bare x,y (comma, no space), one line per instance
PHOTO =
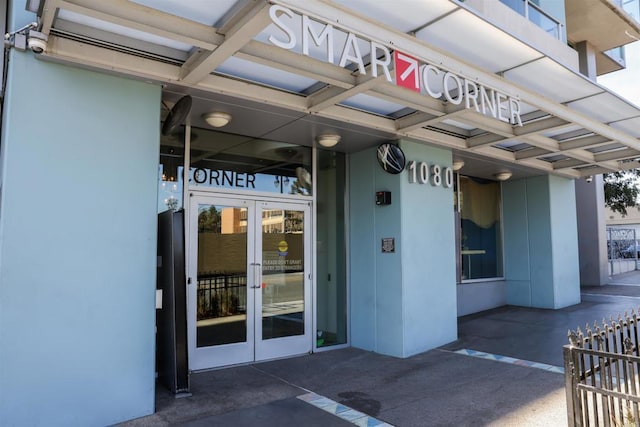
413,121
349,115
487,123
147,20
306,66
531,153
539,126
568,164
93,57
49,12
245,90
203,63
332,96
435,138
553,145
588,141
411,99
68,51
349,20
486,139
626,153
543,125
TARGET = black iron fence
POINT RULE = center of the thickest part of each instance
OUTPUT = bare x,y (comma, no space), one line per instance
602,374
221,295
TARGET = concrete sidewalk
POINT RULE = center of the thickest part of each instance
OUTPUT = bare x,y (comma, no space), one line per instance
504,370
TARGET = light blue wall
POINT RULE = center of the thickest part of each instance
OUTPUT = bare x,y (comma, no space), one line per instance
388,266
395,295
564,241
375,278
429,257
77,246
541,243
516,242
540,248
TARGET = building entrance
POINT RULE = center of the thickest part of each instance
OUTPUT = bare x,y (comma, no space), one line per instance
249,291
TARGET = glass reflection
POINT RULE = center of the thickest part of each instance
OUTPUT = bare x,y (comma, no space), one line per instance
222,275
282,273
481,230
225,161
170,171
331,282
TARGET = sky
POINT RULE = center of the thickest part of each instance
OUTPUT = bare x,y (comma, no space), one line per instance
625,82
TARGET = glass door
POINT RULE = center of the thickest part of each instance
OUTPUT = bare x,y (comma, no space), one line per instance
283,321
249,291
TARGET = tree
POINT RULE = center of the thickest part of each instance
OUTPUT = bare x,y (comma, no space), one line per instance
621,190
209,220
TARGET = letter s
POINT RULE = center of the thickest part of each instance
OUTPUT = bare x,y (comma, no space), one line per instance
273,13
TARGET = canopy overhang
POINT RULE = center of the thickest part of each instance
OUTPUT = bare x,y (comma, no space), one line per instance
570,127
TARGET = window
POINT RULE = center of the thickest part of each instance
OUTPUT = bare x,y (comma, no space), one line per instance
331,280
531,10
240,163
480,229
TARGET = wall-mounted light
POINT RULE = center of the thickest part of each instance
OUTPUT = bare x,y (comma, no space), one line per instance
328,140
502,176
217,119
457,165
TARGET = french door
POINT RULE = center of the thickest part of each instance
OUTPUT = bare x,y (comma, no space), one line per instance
249,291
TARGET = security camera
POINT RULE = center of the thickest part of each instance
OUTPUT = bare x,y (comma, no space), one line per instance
37,41
589,178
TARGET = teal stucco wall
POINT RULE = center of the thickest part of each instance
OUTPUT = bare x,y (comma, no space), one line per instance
541,242
77,246
395,296
429,257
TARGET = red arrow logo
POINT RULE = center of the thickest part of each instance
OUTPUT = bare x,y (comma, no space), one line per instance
407,71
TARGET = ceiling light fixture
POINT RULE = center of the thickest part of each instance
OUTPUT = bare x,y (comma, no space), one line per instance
503,176
457,165
217,119
328,140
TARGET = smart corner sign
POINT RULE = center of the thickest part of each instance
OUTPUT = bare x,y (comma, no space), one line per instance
409,71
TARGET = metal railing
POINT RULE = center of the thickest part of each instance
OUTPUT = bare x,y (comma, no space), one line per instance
536,15
602,374
221,295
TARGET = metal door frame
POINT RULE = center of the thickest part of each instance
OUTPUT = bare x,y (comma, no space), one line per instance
254,349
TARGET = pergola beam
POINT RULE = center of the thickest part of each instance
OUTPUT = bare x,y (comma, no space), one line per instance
236,37
205,62
145,19
335,95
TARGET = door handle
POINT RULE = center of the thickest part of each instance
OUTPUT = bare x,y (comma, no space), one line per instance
256,275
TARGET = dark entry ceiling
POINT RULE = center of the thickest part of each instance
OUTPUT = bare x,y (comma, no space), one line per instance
273,123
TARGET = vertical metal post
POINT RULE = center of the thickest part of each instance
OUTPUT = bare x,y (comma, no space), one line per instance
573,402
635,250
610,241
